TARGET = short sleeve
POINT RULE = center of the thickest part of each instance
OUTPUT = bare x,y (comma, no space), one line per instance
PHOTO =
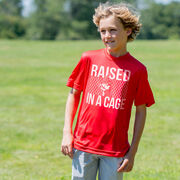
144,93
77,77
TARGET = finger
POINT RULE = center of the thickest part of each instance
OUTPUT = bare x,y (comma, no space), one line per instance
129,168
70,155
122,167
64,150
126,169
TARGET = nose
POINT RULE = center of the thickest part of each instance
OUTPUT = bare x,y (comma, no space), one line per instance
108,34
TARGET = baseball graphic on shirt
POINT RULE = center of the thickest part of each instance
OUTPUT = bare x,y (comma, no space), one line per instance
104,87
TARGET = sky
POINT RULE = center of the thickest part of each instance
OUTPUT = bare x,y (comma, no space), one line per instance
28,5
165,1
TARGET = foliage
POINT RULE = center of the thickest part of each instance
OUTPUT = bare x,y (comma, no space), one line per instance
83,11
13,27
72,19
161,21
11,23
11,7
47,19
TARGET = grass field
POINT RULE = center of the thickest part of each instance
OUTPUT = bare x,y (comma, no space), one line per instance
32,102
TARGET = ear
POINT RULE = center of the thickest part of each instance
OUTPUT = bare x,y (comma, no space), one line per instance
128,31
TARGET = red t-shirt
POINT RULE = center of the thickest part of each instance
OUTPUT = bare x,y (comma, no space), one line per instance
110,85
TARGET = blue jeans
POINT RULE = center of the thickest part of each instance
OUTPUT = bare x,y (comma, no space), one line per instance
85,166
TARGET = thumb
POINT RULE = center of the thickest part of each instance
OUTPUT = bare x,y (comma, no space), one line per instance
70,151
123,165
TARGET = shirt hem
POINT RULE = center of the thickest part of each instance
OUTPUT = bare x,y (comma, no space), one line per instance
100,151
73,85
147,104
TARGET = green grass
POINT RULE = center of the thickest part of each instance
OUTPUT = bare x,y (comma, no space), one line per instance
33,75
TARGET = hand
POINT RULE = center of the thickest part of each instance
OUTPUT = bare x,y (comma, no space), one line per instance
66,146
127,164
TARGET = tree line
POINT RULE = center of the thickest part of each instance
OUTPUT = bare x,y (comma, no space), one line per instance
72,19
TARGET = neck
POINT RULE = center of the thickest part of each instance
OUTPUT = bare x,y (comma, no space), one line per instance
118,53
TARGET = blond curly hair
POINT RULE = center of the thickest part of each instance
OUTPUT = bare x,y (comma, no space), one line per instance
127,14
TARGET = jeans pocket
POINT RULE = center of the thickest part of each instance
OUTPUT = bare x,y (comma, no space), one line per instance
74,150
120,161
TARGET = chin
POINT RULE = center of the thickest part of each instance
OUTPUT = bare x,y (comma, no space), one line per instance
110,49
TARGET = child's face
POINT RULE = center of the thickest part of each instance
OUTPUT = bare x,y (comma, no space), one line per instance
113,34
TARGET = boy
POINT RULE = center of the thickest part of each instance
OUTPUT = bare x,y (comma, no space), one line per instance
111,80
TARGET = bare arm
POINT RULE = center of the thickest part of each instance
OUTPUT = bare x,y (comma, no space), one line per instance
140,118
71,108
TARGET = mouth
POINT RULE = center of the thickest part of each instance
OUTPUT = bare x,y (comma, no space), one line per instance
109,42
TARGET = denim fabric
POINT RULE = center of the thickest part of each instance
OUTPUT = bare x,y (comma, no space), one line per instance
86,165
